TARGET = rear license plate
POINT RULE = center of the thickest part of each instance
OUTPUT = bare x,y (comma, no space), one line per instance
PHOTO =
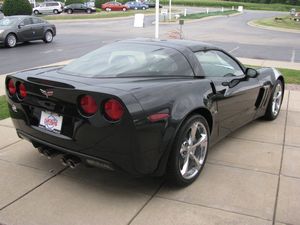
51,122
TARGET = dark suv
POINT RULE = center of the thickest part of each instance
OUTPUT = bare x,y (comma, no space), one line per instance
79,8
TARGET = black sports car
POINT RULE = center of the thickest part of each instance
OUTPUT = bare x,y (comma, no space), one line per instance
141,106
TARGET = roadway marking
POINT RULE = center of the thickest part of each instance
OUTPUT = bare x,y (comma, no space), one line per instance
293,56
52,50
234,49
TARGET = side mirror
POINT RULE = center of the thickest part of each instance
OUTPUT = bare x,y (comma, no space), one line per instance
252,73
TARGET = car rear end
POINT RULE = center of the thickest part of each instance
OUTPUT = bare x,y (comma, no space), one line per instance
77,119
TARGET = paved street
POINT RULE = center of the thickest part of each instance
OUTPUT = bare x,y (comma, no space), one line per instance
252,177
232,33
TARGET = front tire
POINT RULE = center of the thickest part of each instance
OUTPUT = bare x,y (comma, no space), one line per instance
36,12
189,151
124,9
88,11
55,11
11,41
275,101
69,11
48,36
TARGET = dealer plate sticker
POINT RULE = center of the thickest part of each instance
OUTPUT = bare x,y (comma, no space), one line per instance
51,121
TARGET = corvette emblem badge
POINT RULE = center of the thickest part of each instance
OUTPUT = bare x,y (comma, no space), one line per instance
47,93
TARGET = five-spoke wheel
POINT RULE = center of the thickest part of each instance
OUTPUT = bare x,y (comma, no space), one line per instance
190,151
274,104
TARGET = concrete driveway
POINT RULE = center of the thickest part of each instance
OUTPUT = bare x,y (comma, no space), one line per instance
252,177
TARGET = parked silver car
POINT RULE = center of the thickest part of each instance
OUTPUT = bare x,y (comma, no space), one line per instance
14,29
48,7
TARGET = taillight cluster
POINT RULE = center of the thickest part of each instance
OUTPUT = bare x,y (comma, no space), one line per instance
112,109
18,88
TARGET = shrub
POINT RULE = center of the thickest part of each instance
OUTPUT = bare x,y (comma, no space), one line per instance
68,2
98,3
16,7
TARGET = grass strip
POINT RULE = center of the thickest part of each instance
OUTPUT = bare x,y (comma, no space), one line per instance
3,108
283,22
229,4
204,14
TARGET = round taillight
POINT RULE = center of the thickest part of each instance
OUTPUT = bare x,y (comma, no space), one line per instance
113,110
22,90
11,87
88,105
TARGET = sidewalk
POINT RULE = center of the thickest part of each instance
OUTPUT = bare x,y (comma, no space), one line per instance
251,177
254,62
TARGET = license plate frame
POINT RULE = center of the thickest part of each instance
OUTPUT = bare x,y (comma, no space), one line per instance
51,121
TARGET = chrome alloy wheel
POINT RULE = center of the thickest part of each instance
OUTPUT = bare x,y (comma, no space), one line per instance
277,98
193,150
11,41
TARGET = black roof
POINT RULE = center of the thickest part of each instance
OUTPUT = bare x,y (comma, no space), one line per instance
175,43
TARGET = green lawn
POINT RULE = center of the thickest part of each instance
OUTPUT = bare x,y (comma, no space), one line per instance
102,14
291,76
3,108
229,4
202,15
286,22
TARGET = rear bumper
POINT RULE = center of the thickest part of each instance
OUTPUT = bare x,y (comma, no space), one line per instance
38,142
120,150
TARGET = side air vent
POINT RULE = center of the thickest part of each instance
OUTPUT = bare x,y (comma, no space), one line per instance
50,83
259,97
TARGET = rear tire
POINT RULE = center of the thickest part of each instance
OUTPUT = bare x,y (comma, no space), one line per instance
11,40
69,11
186,162
107,9
48,36
36,12
124,9
55,11
274,105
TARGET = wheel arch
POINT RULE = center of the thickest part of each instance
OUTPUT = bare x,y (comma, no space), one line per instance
162,166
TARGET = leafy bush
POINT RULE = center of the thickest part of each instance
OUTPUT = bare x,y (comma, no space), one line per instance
98,3
68,2
16,7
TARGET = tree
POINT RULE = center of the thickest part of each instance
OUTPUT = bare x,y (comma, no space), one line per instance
98,3
69,2
16,7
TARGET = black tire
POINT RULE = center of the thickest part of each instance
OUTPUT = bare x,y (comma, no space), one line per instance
173,171
48,36
69,11
88,11
124,9
36,12
270,113
143,8
11,40
55,11
107,9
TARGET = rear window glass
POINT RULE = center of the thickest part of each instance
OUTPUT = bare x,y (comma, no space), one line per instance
129,60
8,21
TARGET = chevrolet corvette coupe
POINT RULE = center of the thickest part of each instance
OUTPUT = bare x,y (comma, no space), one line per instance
143,106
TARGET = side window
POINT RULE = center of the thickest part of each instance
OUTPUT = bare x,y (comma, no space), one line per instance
218,64
37,21
26,22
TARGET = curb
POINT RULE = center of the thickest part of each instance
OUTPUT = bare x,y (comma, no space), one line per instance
253,24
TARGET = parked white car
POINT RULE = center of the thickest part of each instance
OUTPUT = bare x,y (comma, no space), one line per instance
48,7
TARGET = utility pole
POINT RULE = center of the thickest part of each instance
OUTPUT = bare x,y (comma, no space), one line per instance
170,10
157,19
